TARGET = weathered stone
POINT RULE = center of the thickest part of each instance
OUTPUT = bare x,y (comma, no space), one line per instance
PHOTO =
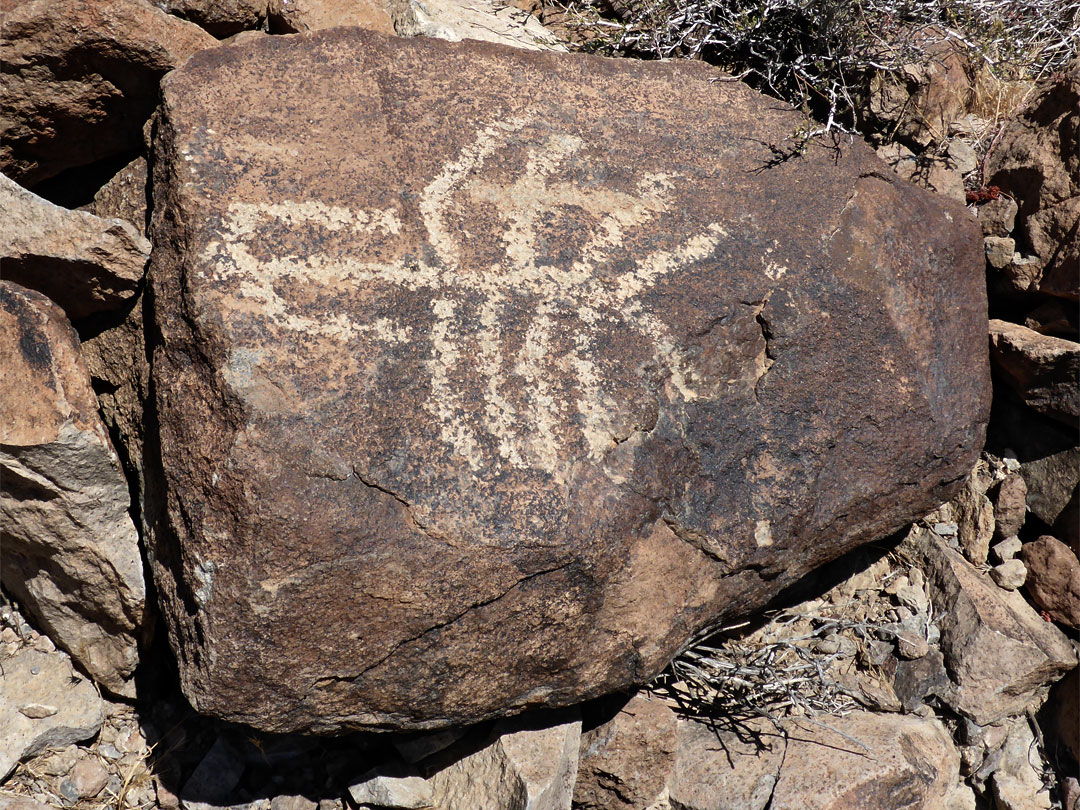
998,651
84,263
293,803
1010,575
80,78
22,803
997,217
34,677
398,788
214,778
71,554
222,18
625,762
124,196
1044,371
1010,506
88,777
1017,785
1007,548
1053,578
297,16
881,761
999,251
523,768
580,376
484,20
962,156
1037,162
1052,482
972,513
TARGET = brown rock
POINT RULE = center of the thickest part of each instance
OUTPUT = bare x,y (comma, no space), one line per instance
625,763
124,196
546,401
88,777
972,513
1053,578
997,649
1052,482
80,78
863,760
1038,164
71,555
84,263
1044,371
222,18
1010,506
997,217
297,16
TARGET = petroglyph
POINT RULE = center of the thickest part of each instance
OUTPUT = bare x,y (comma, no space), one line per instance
469,303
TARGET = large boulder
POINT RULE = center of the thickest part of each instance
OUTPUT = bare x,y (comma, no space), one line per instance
486,377
80,78
70,550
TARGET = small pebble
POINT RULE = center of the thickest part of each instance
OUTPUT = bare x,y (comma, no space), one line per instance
89,777
166,799
37,711
8,635
945,529
108,750
44,644
916,576
67,789
912,597
896,584
1010,575
911,646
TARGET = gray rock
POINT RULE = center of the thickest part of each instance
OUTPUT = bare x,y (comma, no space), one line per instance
35,677
214,778
395,787
997,217
1010,575
1007,548
999,251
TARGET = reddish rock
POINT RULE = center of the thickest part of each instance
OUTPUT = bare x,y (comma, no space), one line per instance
516,407
84,263
124,196
70,551
1053,578
1044,371
80,78
1037,163
297,16
222,18
625,762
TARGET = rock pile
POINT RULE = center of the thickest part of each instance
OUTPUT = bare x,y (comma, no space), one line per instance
495,396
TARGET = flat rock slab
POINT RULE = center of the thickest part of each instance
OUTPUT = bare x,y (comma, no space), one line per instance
487,377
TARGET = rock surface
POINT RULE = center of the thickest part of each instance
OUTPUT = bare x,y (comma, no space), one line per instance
80,78
880,761
625,762
521,769
298,16
998,651
84,263
1053,578
43,703
547,414
1044,371
70,550
1037,163
617,322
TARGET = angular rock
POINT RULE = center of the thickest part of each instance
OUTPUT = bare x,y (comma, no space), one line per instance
1052,481
625,763
1010,506
1016,782
399,788
523,768
1044,371
214,778
997,217
855,762
1064,706
998,650
972,513
84,263
222,18
124,196
71,554
1037,163
1053,578
80,78
297,16
35,678
578,376
1010,575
